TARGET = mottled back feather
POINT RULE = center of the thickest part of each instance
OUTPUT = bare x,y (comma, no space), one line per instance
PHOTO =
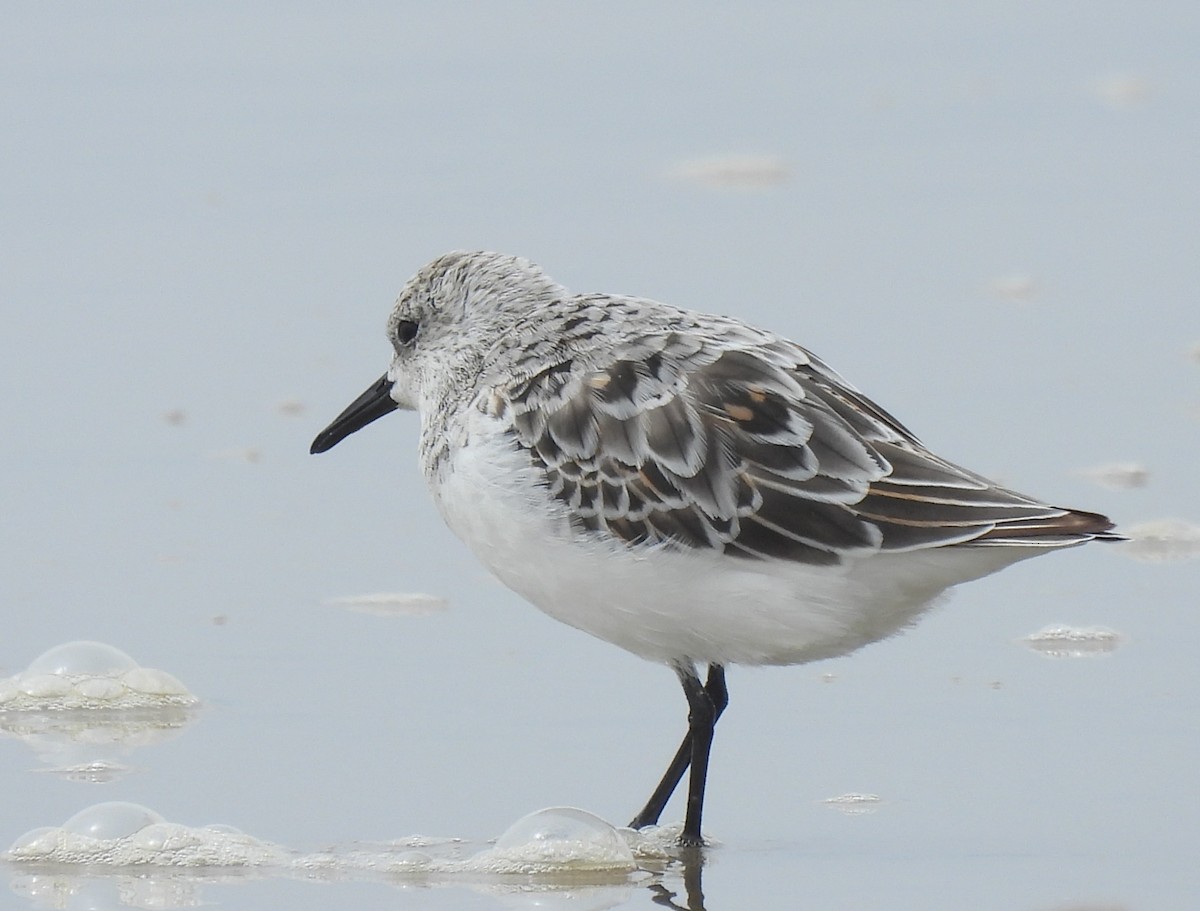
751,446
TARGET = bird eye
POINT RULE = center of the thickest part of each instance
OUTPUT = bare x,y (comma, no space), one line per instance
406,331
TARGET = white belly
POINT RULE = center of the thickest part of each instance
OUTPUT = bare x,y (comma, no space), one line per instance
684,606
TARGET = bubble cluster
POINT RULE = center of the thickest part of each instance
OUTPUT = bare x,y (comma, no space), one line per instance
89,675
559,845
125,855
122,834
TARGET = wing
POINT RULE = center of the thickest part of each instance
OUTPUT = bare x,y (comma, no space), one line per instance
756,448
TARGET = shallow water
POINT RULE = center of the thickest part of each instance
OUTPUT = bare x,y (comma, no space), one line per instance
985,218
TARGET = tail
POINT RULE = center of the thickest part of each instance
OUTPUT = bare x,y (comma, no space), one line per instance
1057,527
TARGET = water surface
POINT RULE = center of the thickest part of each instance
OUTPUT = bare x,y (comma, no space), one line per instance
984,217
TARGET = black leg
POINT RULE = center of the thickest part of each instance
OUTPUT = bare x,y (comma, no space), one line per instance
658,800
702,716
718,697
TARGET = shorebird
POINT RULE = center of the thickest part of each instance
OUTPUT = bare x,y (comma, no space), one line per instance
686,486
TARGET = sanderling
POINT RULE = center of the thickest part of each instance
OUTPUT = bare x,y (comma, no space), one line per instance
686,486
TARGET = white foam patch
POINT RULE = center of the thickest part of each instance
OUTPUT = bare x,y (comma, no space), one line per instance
120,834
416,857
658,843
1162,541
1016,287
1060,641
1122,90
89,675
854,804
392,604
1118,475
552,848
95,771
733,171
558,845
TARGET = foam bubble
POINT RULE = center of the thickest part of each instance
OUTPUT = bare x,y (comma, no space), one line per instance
557,840
37,842
100,689
43,687
224,829
152,682
1062,641
114,819
82,659
165,837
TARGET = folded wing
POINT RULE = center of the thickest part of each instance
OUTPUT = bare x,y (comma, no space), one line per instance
758,450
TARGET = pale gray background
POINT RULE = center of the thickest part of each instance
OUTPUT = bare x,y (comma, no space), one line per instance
209,208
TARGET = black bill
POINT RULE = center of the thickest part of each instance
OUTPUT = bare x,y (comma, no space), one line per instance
370,406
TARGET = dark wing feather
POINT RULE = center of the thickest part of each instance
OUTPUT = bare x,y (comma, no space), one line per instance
761,452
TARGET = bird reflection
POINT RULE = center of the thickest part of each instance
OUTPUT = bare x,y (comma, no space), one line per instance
691,862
